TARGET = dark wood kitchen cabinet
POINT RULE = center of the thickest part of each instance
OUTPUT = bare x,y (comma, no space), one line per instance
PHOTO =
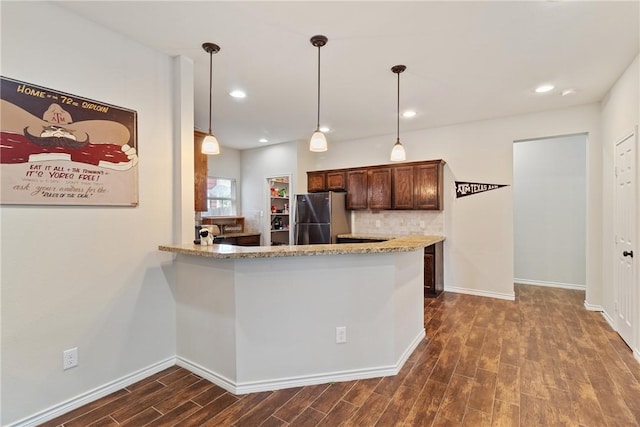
411,185
402,187
433,266
357,189
379,188
316,181
333,180
244,240
336,181
428,186
200,171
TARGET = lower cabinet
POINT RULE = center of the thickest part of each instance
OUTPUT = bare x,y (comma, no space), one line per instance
248,240
357,240
433,266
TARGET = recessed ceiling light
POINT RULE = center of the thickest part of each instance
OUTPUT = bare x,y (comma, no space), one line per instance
544,88
324,129
568,92
238,94
409,113
263,140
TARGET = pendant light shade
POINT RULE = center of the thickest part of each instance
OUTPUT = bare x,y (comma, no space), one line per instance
397,152
210,145
318,142
210,142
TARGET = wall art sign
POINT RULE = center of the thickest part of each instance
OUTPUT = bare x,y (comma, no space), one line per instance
62,149
464,189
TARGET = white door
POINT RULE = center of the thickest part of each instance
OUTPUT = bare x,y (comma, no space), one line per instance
625,223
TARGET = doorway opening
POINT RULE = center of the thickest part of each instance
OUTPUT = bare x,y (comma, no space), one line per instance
550,204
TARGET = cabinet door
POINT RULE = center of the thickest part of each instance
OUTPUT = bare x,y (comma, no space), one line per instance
316,181
379,188
427,187
429,273
402,187
228,241
357,189
253,240
336,181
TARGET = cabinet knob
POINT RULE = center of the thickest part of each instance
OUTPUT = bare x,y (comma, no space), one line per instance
628,253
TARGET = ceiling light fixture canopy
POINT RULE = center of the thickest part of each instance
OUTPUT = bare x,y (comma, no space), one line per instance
397,153
210,142
318,142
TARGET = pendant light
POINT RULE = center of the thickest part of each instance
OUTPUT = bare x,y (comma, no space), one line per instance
318,142
397,153
210,143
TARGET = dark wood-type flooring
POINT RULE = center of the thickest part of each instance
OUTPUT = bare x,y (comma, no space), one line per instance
542,360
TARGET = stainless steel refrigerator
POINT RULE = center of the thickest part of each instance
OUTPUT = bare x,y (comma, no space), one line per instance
320,217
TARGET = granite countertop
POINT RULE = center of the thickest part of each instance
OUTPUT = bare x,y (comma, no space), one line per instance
394,244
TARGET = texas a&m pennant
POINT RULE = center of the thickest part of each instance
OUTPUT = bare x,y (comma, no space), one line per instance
464,189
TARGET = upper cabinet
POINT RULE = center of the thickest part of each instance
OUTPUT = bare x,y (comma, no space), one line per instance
316,181
326,181
357,187
413,185
336,181
200,171
402,185
379,190
428,186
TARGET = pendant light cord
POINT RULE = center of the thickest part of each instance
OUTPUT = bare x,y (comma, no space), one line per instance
318,124
398,113
210,87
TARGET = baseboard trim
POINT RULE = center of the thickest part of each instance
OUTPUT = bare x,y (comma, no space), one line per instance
510,297
592,307
636,354
609,320
299,381
95,394
550,284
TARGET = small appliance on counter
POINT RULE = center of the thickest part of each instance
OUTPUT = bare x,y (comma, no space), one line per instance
320,217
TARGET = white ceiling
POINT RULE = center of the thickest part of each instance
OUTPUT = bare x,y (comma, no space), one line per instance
465,61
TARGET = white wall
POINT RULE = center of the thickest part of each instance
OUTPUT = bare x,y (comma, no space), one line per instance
90,277
620,117
257,165
479,229
549,186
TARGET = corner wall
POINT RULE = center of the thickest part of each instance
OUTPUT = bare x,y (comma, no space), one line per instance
90,277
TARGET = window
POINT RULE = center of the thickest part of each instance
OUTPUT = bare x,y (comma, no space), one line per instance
221,196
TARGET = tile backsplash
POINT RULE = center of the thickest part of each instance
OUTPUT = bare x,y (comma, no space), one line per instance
398,222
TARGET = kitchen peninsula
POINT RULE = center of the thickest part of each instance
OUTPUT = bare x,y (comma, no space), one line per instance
268,317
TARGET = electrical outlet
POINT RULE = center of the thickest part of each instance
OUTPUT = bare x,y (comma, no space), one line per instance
341,334
421,224
377,223
70,358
